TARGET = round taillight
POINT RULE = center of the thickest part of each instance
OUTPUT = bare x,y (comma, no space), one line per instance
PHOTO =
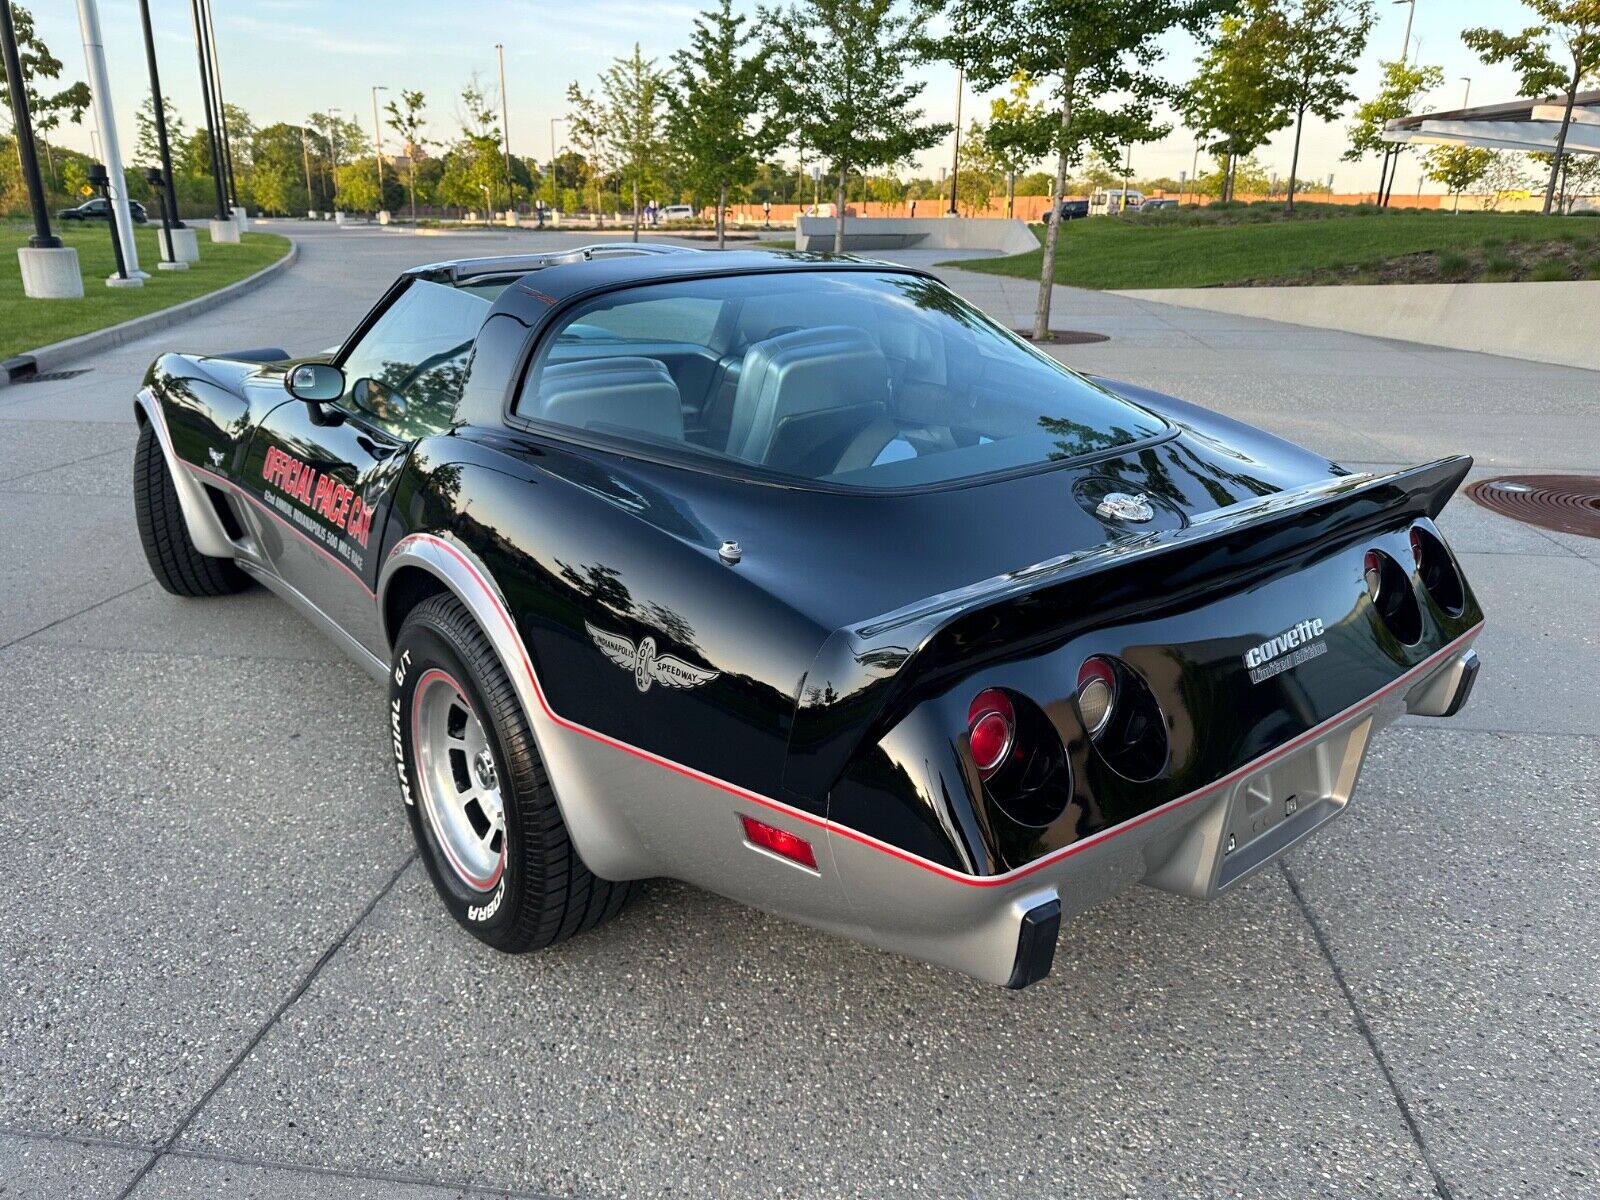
991,729
1097,694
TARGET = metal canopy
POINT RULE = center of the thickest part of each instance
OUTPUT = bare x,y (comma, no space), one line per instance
1527,124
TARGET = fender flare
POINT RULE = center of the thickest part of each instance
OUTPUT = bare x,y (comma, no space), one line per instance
607,843
205,528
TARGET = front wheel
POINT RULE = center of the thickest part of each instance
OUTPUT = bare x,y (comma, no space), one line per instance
477,796
164,533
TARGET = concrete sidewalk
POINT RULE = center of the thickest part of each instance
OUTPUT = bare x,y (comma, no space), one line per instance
227,976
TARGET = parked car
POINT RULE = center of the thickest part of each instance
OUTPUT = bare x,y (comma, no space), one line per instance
100,210
1156,205
677,212
804,581
1072,210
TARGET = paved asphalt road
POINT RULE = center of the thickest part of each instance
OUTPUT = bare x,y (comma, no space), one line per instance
223,973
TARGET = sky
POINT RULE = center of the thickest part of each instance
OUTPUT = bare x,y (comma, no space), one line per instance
282,59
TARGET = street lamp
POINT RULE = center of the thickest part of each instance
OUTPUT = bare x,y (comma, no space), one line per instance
1466,96
331,128
1411,15
42,238
955,154
211,125
553,196
377,139
505,129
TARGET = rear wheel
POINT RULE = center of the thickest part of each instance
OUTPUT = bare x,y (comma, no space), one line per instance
164,533
478,799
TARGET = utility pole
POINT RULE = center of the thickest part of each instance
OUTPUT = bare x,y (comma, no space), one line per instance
158,105
505,128
1466,96
332,127
226,145
218,232
1411,15
94,54
955,155
377,138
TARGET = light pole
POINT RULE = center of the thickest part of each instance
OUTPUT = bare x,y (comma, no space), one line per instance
377,139
332,127
1411,15
553,196
305,156
94,54
169,207
222,113
955,154
217,233
42,238
1466,96
505,129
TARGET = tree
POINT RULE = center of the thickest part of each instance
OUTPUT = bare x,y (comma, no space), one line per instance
1574,24
1457,167
586,122
1018,135
45,109
1505,176
278,175
1233,176
840,71
146,150
634,96
1239,97
1322,39
978,171
478,162
714,111
406,119
1090,51
1397,95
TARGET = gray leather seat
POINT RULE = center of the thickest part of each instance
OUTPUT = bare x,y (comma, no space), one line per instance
805,395
618,394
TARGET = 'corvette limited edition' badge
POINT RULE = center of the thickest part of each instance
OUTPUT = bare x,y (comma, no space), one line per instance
1300,643
646,665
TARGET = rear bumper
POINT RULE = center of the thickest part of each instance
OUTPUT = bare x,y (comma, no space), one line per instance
1001,928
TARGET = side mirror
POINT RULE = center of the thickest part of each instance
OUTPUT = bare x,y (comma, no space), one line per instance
315,383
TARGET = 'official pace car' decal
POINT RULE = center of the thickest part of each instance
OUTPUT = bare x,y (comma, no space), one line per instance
1300,643
646,666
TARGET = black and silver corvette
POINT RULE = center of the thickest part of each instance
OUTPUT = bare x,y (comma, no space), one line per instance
803,581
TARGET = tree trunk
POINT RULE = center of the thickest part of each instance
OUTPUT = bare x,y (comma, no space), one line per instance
1294,159
1011,194
636,208
722,220
1052,230
838,211
1561,140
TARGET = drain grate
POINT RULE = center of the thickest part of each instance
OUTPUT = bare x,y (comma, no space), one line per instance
1067,337
1564,503
52,376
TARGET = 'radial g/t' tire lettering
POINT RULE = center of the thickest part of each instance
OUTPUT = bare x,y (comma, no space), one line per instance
479,802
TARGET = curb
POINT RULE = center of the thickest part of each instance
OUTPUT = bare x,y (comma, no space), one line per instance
55,355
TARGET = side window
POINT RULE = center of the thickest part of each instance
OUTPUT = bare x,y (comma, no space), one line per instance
405,374
674,319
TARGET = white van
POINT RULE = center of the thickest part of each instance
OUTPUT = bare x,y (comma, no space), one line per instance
676,212
1108,203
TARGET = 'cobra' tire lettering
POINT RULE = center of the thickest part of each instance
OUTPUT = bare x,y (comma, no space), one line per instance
544,892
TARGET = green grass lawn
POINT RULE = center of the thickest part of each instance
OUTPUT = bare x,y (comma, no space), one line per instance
28,324
1138,252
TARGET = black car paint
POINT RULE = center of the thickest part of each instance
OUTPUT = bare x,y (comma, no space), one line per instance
866,728
99,210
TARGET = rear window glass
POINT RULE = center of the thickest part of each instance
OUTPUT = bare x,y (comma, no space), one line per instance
853,378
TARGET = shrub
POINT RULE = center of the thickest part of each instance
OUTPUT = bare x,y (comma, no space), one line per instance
1499,264
1454,266
1491,244
1550,271
1591,269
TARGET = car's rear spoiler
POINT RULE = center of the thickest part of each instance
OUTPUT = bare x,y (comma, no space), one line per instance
867,676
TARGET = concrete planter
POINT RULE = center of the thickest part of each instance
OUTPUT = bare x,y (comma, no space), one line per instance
50,274
241,218
224,232
932,233
1545,322
185,249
